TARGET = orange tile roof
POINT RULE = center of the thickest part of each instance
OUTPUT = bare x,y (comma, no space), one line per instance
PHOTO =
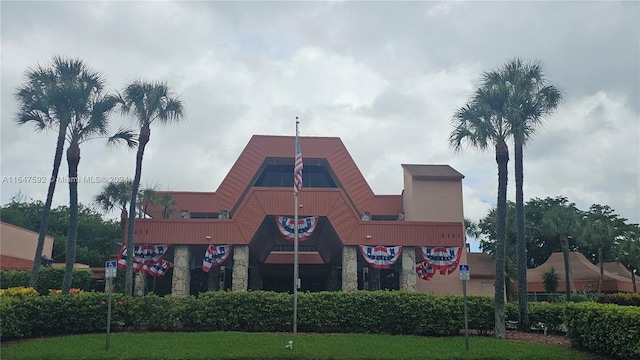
249,205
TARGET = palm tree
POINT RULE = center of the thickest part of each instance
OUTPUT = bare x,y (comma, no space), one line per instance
46,100
597,232
628,253
482,124
168,204
530,98
561,222
148,101
115,194
89,120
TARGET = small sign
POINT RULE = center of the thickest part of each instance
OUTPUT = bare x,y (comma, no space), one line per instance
111,269
464,272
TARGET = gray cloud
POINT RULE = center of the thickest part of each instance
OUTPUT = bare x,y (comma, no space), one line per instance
385,77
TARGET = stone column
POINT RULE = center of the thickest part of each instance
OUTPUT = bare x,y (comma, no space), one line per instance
408,272
349,268
139,284
181,281
240,273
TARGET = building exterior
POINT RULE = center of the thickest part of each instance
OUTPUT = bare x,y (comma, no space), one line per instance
585,275
351,238
18,246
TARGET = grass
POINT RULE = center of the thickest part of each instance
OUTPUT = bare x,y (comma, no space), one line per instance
235,345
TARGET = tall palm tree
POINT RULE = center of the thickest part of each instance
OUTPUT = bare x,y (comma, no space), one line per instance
530,97
628,253
562,222
46,100
482,124
148,101
89,120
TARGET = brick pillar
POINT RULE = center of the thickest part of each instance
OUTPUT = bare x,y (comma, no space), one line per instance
180,283
240,274
408,272
349,268
139,284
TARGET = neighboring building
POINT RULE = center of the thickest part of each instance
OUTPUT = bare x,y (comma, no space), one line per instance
483,274
585,275
18,247
340,212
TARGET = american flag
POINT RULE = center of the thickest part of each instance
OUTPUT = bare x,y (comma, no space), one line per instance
297,167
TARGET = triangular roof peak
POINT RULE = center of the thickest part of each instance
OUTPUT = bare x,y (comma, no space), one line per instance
261,147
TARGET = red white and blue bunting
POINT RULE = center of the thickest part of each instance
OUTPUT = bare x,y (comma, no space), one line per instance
306,227
437,258
215,255
149,259
381,257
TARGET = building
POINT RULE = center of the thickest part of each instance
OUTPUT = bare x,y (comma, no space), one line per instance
584,274
18,247
350,238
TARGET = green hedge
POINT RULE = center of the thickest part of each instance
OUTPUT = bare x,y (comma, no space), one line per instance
48,278
380,312
627,299
605,328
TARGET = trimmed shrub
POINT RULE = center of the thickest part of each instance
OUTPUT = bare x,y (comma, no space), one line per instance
627,299
605,328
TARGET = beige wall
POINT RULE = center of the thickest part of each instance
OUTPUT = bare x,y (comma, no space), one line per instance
432,200
21,243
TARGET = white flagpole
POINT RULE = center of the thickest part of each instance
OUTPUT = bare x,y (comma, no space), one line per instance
295,248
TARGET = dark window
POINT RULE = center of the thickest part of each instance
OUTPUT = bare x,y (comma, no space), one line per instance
315,176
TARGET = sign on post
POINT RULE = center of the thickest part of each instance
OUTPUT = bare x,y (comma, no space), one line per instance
110,269
464,272
464,276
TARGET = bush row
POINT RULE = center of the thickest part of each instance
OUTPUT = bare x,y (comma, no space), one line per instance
605,328
628,299
48,278
384,312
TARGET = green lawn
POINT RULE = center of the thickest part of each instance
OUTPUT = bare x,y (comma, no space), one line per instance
234,345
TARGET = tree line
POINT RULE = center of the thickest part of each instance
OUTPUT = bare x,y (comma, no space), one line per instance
70,98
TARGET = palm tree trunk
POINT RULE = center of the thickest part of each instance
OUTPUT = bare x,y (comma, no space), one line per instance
601,270
73,159
502,158
46,210
145,134
567,267
633,280
521,241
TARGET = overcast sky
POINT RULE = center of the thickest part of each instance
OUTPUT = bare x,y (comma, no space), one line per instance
385,77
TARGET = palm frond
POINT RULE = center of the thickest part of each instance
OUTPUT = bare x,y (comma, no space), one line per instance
127,136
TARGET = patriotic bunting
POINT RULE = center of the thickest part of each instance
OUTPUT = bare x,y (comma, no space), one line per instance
149,259
381,257
306,227
442,259
215,255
